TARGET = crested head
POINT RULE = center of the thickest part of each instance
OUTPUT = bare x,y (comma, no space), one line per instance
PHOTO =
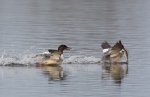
61,48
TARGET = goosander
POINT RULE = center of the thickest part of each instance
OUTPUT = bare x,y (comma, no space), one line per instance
53,57
115,53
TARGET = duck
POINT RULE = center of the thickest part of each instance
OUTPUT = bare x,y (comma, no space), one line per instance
114,54
52,57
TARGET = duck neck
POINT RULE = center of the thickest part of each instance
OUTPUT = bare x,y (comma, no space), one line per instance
60,50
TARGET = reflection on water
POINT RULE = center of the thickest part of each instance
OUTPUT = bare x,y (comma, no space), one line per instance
54,72
115,70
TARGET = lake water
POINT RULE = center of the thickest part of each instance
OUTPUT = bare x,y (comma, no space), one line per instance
29,27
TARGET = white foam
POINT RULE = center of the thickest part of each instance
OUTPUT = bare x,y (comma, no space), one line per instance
78,59
18,59
31,59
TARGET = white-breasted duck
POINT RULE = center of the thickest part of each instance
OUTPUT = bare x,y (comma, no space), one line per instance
53,57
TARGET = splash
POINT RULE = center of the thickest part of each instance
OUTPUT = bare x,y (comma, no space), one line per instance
80,59
30,59
18,60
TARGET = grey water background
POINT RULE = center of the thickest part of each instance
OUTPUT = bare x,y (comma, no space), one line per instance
29,27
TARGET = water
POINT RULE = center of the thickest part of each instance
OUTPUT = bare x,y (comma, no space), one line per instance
29,27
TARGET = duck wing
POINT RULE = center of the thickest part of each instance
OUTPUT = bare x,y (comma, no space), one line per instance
51,54
52,51
116,49
105,45
55,54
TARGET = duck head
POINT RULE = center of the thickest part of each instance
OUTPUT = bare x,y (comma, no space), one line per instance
61,48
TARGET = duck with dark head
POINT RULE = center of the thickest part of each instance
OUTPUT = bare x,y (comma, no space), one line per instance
53,57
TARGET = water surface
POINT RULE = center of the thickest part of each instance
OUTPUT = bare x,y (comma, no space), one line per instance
29,27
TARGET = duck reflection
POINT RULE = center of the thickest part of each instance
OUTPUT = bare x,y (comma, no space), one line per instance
116,71
54,72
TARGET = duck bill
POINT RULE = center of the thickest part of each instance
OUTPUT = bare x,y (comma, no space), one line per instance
68,48
126,55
